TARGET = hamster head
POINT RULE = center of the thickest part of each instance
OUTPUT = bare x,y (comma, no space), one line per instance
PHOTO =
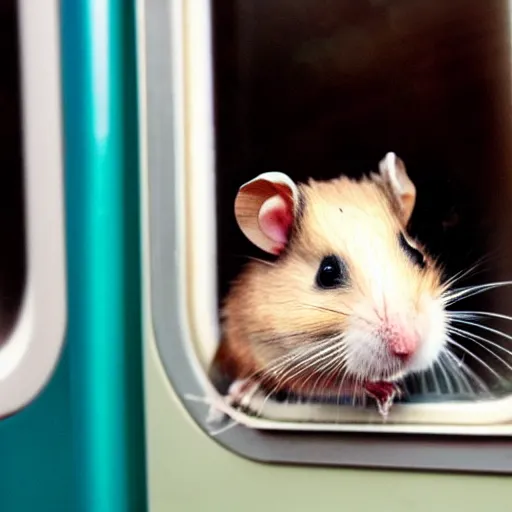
351,297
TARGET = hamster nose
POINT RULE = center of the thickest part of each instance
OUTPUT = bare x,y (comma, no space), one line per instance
402,344
401,353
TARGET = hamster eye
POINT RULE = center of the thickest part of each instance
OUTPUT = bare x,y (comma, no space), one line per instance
331,273
412,253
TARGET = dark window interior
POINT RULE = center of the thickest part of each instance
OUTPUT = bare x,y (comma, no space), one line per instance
319,88
12,223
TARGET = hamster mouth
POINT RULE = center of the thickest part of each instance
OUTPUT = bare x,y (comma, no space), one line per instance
383,392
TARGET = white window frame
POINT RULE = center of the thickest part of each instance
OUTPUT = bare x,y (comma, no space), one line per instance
177,173
29,355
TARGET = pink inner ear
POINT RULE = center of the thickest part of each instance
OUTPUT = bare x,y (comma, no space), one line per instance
275,220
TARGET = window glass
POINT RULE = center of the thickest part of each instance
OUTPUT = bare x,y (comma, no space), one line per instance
319,89
12,235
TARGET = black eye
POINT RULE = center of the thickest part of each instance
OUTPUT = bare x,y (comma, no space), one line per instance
412,253
331,273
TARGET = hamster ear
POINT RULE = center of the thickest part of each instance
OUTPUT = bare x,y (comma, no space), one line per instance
265,209
394,174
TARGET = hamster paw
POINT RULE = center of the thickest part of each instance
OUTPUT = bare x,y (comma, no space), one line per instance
241,392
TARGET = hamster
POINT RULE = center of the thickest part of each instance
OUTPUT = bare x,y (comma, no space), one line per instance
351,304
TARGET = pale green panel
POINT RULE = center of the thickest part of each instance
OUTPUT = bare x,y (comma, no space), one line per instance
189,471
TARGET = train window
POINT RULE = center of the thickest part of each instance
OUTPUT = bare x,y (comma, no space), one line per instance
32,303
371,306
12,263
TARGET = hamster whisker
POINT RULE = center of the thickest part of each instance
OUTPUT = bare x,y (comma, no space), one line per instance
344,375
474,269
445,375
305,357
406,388
310,364
313,336
291,342
425,388
283,362
341,371
483,327
451,341
322,374
462,370
454,279
459,294
292,371
322,308
322,370
475,314
253,258
332,366
338,312
453,367
402,383
423,382
478,339
359,383
459,276
264,262
289,374
277,370
436,382
329,360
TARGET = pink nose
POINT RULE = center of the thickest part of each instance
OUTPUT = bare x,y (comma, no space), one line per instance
401,344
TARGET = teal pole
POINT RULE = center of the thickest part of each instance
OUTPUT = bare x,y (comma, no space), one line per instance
102,207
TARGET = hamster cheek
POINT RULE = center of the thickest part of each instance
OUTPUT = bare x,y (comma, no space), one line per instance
432,324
